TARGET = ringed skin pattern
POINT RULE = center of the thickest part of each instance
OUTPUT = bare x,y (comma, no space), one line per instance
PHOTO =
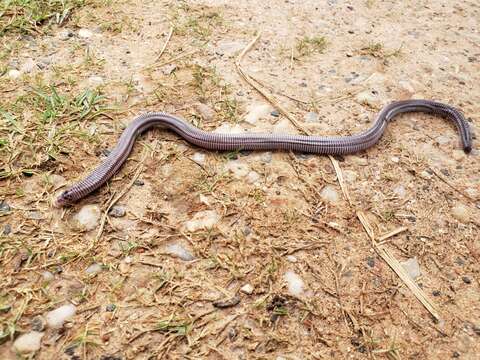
330,145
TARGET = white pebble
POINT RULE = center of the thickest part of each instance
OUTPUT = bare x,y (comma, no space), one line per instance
329,194
253,177
368,98
179,251
95,80
203,220
395,159
28,66
461,213
56,318
400,191
93,269
426,175
14,74
88,217
247,289
294,283
85,33
239,169
29,342
412,268
47,276
256,112
291,258
199,158
311,117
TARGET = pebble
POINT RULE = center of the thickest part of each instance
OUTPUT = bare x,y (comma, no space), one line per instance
85,33
35,215
311,117
28,343
199,158
205,111
168,69
368,98
28,66
294,283
88,217
179,251
395,159
291,258
139,182
4,207
94,269
117,211
238,168
57,181
47,276
65,34
461,213
247,289
229,48
400,191
110,307
95,80
253,177
412,268
275,113
329,194
56,318
466,280
14,74
38,323
7,229
426,175
256,112
203,220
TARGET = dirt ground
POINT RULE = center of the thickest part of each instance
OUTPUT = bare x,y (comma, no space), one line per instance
274,262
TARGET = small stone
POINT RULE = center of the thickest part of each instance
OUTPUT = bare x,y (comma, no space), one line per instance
400,191
466,280
57,181
88,217
85,33
461,213
203,220
256,112
117,211
199,158
412,268
291,258
238,168
28,343
65,34
222,304
168,69
180,252
369,98
4,207
110,307
426,175
253,177
47,276
436,293
371,262
7,229
311,117
94,269
38,323
28,66
35,215
442,140
395,159
56,318
275,113
139,182
95,80
247,289
294,283
329,194
14,74
205,111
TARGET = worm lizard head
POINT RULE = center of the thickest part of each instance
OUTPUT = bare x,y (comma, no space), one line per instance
65,198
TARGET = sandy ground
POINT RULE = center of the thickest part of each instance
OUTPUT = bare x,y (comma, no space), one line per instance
279,223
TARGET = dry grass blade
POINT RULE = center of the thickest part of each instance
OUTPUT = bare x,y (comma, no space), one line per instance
340,179
262,92
391,233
